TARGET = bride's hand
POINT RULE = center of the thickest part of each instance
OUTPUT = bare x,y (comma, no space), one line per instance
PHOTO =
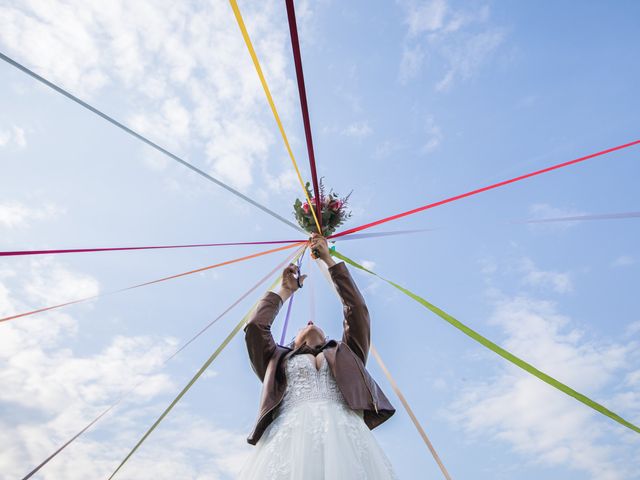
318,244
319,247
289,281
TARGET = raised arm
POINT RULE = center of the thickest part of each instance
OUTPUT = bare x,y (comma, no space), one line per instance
356,324
257,332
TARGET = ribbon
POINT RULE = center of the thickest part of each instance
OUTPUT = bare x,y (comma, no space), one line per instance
499,350
394,385
267,92
297,57
193,380
580,218
352,236
167,360
483,189
164,279
312,292
355,236
407,407
159,247
286,318
144,139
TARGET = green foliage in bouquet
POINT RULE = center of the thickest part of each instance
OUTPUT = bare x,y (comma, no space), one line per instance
334,212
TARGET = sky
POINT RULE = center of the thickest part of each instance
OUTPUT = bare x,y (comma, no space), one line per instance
411,102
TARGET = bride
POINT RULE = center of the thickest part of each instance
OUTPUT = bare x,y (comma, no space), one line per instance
318,401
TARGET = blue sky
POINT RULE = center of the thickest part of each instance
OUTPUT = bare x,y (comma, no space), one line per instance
410,102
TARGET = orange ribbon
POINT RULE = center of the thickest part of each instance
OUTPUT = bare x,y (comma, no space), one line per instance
164,279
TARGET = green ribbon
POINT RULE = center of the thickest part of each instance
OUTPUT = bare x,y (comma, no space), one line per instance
209,361
498,349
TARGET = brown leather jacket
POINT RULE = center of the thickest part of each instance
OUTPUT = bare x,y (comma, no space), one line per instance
346,358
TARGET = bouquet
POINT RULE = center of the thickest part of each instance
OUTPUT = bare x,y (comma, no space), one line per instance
334,212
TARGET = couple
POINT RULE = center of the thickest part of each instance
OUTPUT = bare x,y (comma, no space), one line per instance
318,401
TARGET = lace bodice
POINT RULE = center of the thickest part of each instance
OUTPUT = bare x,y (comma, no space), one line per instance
305,383
315,435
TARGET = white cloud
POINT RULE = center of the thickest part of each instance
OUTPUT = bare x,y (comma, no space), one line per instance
16,214
540,211
357,130
633,328
459,39
559,282
411,62
368,264
183,71
535,419
13,136
467,56
433,136
50,391
623,261
50,282
426,16
386,149
287,181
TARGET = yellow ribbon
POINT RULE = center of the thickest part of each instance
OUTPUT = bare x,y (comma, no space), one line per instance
267,92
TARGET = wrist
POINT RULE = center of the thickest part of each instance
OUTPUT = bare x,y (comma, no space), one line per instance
284,293
329,261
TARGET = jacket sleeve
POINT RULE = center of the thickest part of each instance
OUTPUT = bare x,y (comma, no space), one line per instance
257,332
357,326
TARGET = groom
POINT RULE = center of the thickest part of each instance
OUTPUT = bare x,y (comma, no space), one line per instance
346,358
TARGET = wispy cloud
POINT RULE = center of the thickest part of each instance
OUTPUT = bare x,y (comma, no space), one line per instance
560,282
433,136
538,211
13,136
357,130
633,328
16,214
369,264
536,420
50,391
623,261
182,70
455,42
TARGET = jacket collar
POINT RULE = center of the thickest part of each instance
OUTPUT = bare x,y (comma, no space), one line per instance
328,344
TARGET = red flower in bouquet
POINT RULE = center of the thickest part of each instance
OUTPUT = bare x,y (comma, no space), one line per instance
336,205
333,212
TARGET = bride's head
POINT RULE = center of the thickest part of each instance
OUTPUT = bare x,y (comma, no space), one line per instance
311,334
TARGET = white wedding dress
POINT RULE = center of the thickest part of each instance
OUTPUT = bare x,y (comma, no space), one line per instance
314,434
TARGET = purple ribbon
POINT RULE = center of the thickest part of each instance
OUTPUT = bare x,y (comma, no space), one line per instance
286,318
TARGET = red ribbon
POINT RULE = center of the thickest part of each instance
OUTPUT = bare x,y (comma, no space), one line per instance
117,249
295,45
483,189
